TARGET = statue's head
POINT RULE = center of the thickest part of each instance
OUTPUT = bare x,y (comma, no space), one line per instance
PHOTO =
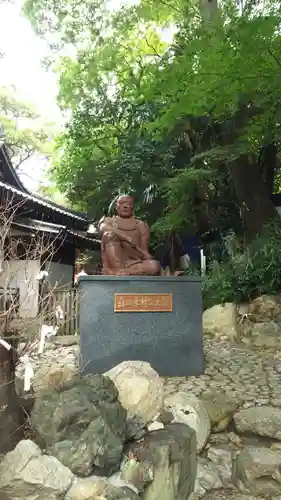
125,206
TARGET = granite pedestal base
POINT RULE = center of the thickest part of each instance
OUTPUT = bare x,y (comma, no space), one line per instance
170,341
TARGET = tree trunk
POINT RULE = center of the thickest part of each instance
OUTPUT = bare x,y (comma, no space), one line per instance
11,413
253,195
208,10
267,164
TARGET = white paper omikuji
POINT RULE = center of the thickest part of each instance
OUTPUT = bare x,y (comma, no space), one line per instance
46,331
5,344
51,331
41,275
59,313
28,375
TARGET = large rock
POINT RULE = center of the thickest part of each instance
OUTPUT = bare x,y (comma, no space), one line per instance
140,391
222,457
220,408
82,424
95,488
214,471
53,376
207,477
221,321
266,334
65,340
139,474
189,410
54,367
27,474
264,421
258,470
266,308
170,454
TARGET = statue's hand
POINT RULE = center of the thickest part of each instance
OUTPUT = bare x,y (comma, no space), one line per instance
146,255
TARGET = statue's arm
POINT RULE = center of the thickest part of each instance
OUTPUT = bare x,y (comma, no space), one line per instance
144,241
105,225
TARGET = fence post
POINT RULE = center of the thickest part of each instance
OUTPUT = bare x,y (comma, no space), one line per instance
67,299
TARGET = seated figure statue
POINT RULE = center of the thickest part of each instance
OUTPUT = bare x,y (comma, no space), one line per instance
124,243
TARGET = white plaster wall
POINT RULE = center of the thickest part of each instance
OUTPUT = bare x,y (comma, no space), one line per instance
60,275
22,274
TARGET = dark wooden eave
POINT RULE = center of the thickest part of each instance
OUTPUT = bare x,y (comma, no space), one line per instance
36,206
79,239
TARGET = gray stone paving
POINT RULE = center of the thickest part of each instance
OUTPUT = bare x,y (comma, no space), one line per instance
252,375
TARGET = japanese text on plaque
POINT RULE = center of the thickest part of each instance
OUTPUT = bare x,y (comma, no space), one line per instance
143,302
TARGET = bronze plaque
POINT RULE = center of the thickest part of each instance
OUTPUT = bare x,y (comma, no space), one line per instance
143,302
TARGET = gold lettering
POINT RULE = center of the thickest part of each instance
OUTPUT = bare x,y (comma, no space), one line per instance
121,303
143,301
136,302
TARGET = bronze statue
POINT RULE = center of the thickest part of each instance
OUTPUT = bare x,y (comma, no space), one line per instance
124,243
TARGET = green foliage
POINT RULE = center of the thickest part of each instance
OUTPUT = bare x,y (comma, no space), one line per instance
167,120
50,192
178,193
189,123
25,134
248,274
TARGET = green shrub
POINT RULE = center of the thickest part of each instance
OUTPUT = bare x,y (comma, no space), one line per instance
246,275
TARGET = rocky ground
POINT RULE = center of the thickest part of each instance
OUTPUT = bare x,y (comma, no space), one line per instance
236,377
239,370
246,374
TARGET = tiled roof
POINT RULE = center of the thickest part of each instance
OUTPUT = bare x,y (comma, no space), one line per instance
41,202
13,183
48,227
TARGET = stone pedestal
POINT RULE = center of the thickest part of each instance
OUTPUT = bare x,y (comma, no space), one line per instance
169,338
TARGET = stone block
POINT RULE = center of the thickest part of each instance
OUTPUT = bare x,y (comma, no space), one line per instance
170,341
